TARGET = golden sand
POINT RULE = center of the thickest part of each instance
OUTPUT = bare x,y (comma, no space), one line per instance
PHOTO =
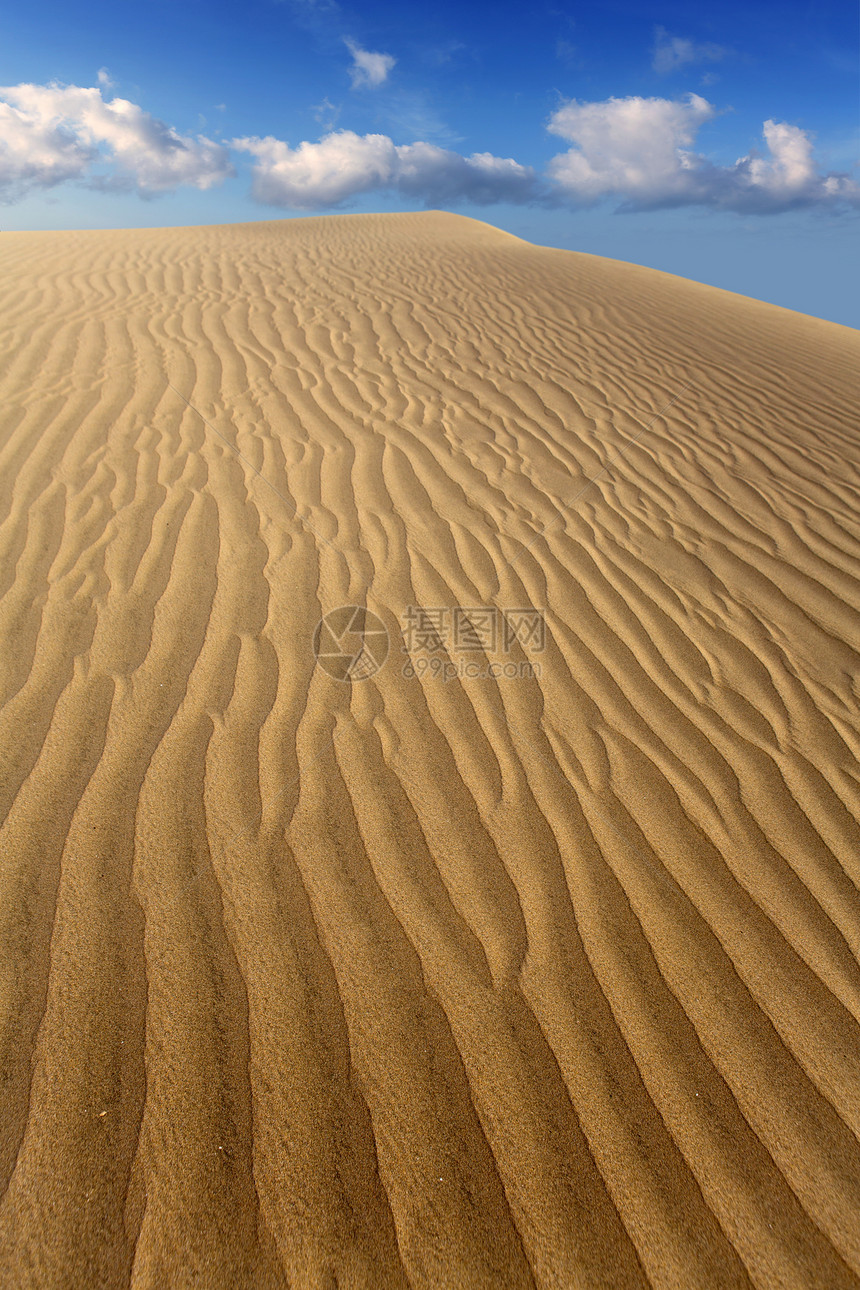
423,980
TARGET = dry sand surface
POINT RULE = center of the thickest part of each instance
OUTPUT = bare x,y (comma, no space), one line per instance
424,980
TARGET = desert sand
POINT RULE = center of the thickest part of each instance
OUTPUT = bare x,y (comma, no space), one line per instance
415,978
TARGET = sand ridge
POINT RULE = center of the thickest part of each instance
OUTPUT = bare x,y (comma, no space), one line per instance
546,981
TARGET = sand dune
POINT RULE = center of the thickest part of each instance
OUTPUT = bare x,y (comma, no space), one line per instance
423,978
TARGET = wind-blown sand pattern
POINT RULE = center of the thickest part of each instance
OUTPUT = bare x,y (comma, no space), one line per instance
546,981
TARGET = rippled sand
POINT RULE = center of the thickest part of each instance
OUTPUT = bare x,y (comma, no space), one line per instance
548,980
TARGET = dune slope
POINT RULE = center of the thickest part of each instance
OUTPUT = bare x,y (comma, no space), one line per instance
428,976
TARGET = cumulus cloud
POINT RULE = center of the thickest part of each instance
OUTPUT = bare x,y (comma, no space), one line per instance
344,164
340,166
641,151
368,69
635,147
439,175
51,133
672,52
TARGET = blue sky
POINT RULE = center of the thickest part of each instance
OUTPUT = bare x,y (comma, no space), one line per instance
719,145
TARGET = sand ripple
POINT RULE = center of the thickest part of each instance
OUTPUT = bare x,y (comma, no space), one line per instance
549,981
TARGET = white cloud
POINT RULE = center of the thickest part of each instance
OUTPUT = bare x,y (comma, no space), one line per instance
641,151
438,175
790,176
672,52
368,69
340,166
105,79
52,133
343,165
638,152
635,147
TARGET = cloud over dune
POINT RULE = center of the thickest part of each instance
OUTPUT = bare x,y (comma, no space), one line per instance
51,133
639,153
343,165
628,147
